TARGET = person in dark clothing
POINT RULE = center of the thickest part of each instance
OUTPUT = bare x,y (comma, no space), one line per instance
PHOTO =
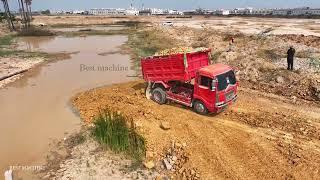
290,56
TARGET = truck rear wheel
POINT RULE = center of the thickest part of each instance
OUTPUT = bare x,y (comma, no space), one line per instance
200,108
159,96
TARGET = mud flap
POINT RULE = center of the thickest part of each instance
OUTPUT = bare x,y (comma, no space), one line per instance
148,91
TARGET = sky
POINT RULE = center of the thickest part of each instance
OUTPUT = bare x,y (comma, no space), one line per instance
166,4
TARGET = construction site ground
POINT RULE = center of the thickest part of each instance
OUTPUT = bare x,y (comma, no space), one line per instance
262,136
271,132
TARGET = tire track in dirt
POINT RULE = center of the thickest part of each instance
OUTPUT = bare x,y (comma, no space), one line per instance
234,151
227,145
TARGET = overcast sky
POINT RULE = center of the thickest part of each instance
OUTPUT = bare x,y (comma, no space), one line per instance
170,4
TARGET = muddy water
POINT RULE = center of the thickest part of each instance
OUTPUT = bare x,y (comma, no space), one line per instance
35,110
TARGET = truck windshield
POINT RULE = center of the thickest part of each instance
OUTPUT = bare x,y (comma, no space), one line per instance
225,79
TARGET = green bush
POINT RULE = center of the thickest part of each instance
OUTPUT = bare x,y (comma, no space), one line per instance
270,54
147,43
5,40
111,130
35,31
215,56
2,16
315,63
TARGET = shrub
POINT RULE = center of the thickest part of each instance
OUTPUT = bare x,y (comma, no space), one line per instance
111,130
215,56
5,40
315,64
270,54
34,31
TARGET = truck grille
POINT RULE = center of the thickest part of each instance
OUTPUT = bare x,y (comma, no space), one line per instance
229,96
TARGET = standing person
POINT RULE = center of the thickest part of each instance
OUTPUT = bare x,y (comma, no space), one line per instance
290,56
231,45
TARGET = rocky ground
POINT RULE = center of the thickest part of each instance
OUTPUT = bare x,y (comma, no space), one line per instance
80,157
271,132
262,136
260,59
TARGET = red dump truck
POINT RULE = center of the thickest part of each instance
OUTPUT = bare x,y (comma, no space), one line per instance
188,79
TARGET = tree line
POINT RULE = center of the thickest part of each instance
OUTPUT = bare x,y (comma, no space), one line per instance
25,13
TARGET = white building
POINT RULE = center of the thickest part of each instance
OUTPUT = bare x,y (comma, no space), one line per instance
106,11
262,12
131,12
280,12
314,12
222,12
77,12
242,11
174,12
305,11
155,11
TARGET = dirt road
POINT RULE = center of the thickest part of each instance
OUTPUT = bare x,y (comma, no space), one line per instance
262,136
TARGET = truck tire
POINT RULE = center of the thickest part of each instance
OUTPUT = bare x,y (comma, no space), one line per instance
200,108
159,96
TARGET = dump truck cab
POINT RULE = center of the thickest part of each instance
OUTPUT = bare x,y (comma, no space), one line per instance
215,87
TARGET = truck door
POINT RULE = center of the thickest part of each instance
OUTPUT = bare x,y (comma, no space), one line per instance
205,91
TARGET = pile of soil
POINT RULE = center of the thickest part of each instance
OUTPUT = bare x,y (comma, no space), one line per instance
258,59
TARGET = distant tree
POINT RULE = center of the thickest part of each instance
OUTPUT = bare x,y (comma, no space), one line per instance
8,15
29,2
25,12
46,12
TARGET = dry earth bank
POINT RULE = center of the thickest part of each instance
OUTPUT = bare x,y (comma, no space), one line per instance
262,137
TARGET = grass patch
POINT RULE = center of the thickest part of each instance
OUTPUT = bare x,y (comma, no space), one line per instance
129,23
146,43
315,63
22,54
270,54
35,31
303,54
6,40
111,130
6,53
215,56
118,23
229,36
96,32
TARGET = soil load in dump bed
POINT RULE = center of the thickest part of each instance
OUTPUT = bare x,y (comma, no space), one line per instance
175,65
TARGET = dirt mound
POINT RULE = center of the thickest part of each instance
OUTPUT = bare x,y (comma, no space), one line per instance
313,41
259,60
259,137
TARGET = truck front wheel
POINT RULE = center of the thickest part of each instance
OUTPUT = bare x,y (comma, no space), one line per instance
200,108
159,96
